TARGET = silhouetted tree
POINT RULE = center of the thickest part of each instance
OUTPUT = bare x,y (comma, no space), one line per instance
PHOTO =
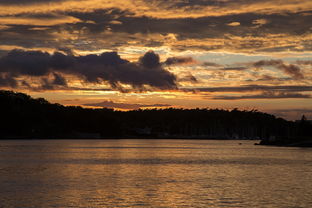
25,117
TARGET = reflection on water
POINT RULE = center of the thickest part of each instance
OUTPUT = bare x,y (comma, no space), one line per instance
153,173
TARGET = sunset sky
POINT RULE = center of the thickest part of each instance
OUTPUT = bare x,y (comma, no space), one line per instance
130,54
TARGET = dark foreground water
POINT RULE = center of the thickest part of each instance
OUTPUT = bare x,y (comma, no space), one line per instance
153,173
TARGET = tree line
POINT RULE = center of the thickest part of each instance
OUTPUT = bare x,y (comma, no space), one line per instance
25,117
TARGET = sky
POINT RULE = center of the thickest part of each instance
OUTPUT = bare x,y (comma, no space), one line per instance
131,54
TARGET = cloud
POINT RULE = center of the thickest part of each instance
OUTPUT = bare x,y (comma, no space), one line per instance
250,88
259,22
32,63
7,81
187,77
21,2
266,77
264,95
87,29
209,27
304,62
222,7
292,70
50,84
89,89
150,60
234,24
208,32
38,20
111,104
167,9
211,64
4,27
108,67
179,61
235,68
59,80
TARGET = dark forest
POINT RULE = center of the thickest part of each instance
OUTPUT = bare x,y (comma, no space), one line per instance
23,117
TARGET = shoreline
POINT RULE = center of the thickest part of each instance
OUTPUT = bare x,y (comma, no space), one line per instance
305,143
130,138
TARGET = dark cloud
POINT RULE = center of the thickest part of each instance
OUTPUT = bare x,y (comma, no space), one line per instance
46,84
281,48
89,89
267,77
7,81
59,80
109,67
250,88
201,27
304,62
179,61
216,26
111,104
290,69
92,24
190,5
25,36
234,68
150,60
32,63
39,16
264,95
97,21
55,83
187,77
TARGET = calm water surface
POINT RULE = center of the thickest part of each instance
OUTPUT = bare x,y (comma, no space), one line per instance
153,173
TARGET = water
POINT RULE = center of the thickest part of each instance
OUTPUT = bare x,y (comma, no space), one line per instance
153,173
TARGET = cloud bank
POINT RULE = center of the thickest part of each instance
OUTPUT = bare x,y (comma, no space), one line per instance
111,104
291,69
107,67
265,95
